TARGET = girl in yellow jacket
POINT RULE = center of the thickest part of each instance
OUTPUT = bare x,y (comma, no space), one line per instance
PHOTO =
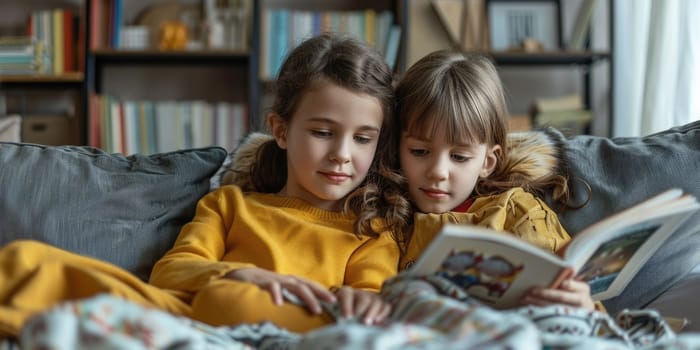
453,153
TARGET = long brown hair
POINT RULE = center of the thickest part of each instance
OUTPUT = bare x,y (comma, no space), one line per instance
350,64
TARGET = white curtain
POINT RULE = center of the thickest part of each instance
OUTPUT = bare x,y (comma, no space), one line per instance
656,65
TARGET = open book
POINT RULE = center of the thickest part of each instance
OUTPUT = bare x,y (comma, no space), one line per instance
499,267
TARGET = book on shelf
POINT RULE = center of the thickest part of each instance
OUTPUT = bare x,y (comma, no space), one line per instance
149,127
19,55
464,22
567,113
57,40
282,29
475,34
582,25
57,31
575,121
450,13
558,103
498,268
519,122
392,46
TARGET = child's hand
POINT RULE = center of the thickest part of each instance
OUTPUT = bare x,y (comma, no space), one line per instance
368,307
570,292
309,292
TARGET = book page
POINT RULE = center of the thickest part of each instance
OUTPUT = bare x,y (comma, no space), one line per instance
608,261
495,267
608,254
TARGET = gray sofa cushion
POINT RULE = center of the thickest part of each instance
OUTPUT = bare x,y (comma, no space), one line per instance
125,210
624,171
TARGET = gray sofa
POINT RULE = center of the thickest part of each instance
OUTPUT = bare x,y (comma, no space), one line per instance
624,171
128,210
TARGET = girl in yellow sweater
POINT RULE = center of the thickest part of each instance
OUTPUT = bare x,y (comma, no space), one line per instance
453,153
319,232
310,230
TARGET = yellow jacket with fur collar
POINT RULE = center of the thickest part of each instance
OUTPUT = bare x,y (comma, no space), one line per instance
514,211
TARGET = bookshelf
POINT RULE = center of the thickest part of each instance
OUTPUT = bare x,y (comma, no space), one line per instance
241,75
49,92
151,91
530,75
213,73
314,16
127,65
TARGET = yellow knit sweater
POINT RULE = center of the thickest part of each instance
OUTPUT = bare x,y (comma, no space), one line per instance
232,229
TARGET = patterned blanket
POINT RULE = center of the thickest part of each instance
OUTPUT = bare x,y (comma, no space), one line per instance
429,313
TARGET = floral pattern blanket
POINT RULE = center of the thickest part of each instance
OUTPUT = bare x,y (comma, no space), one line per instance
428,313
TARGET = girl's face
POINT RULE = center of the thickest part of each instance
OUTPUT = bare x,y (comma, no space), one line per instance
441,175
330,140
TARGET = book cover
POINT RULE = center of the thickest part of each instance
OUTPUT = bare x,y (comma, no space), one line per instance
96,26
573,121
392,46
69,41
152,129
450,13
423,32
265,43
558,103
95,126
143,127
475,34
369,20
498,268
132,129
57,40
384,20
582,25
116,24
280,47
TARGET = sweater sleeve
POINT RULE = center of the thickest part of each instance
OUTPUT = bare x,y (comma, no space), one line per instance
372,263
195,258
523,215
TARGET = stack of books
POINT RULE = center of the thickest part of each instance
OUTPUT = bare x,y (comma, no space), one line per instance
566,113
21,55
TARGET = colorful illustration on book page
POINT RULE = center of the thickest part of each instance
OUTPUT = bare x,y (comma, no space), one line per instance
605,264
485,276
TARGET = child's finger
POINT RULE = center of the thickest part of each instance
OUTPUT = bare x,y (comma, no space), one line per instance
383,313
362,303
576,286
275,291
306,296
346,298
548,296
376,312
322,293
317,289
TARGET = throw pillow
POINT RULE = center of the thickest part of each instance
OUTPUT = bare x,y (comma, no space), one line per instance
124,210
624,171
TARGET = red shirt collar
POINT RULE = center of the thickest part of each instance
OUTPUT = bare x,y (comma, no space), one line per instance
462,208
